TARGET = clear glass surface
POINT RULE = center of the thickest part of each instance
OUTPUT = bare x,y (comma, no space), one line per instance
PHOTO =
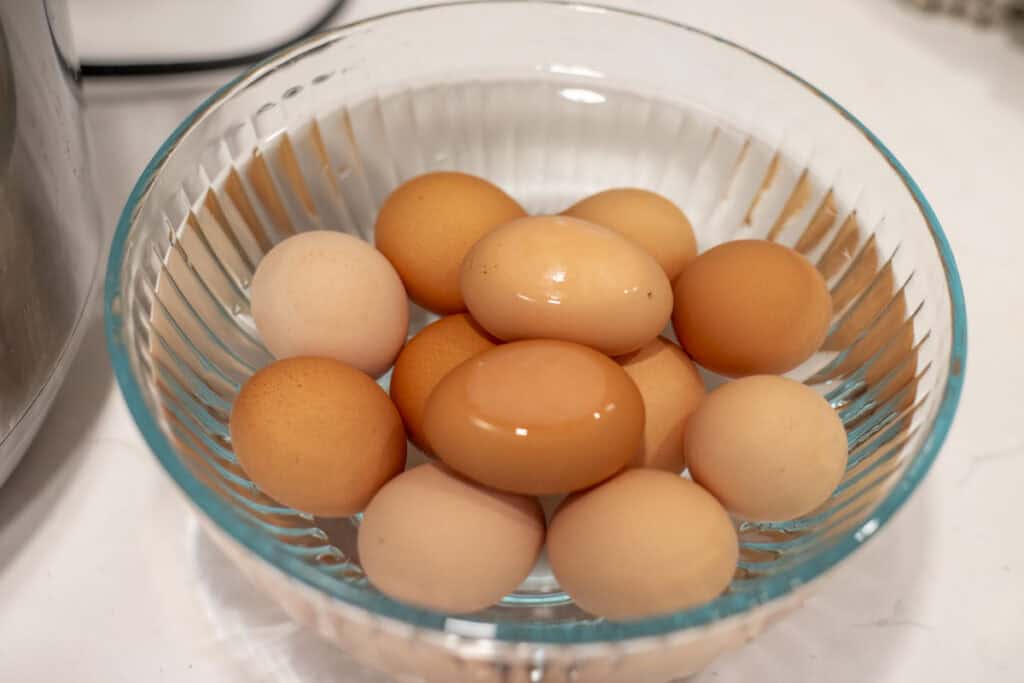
551,101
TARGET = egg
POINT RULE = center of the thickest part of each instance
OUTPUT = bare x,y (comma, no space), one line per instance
672,389
563,278
434,352
328,294
435,540
536,417
426,226
751,307
647,218
646,542
769,448
317,435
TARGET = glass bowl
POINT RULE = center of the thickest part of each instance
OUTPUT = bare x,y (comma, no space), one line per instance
552,101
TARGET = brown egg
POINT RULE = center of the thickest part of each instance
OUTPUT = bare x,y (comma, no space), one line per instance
769,448
646,542
325,293
536,417
426,226
751,307
554,277
436,540
317,435
647,218
672,388
426,359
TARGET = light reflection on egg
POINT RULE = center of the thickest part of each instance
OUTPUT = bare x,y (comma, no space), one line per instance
536,417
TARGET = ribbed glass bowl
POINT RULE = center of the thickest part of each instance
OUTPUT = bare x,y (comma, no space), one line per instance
551,101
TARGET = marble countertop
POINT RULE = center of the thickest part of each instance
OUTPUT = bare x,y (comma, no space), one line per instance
105,577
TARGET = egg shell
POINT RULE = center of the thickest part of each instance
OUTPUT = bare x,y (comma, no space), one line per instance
555,277
645,217
672,389
751,307
317,435
434,352
769,448
436,540
426,226
536,417
328,294
644,543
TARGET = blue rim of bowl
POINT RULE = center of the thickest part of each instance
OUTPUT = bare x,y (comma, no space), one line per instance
559,633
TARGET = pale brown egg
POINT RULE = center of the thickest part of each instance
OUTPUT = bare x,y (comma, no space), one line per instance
436,540
672,389
769,448
644,543
317,435
434,352
426,226
647,218
555,277
536,417
751,307
325,293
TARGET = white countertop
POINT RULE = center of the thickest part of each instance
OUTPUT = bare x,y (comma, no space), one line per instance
104,577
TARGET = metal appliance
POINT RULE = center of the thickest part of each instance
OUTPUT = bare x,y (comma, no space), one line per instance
50,241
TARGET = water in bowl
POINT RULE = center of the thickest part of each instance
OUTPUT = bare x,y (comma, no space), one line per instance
548,143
